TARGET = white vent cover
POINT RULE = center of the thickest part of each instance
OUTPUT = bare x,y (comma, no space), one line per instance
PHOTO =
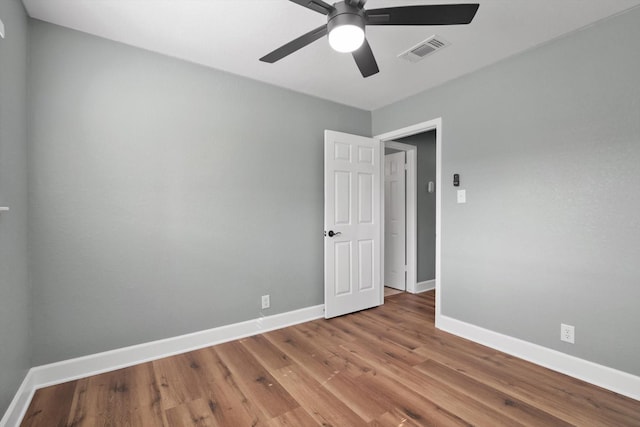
424,49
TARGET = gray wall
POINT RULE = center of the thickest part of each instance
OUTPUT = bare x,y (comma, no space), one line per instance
426,209
548,146
14,286
165,197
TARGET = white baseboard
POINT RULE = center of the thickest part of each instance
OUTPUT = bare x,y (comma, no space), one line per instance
73,369
602,376
425,286
14,414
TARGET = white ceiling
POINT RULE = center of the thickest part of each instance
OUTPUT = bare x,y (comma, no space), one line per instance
231,35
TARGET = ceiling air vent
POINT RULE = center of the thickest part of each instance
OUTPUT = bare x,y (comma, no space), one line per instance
424,49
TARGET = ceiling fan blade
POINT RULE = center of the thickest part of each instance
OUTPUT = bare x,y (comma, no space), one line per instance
436,14
294,45
365,60
316,5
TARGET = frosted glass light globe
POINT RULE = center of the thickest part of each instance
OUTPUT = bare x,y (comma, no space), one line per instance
346,38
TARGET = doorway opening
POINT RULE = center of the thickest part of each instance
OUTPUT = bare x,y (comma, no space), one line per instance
422,202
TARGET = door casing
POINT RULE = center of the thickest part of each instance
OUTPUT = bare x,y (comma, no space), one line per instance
387,139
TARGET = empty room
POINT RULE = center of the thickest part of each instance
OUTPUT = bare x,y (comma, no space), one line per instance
307,213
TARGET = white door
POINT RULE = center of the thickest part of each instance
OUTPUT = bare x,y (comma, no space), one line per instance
394,221
352,243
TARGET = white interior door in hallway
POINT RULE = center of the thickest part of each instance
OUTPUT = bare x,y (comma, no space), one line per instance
395,221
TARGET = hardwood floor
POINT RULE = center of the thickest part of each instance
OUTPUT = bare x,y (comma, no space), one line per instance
386,366
390,291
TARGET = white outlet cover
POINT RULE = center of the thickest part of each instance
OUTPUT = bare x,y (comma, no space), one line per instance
567,333
1,28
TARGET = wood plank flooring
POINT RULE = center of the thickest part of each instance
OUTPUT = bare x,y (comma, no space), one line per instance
386,366
390,291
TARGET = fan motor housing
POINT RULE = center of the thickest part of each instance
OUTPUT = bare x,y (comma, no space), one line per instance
345,14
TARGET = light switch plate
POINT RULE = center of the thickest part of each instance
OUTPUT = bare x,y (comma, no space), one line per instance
462,196
1,29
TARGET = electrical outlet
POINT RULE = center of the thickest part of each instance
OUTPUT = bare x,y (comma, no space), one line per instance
567,333
265,301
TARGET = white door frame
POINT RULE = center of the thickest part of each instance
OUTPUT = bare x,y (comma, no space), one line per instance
387,138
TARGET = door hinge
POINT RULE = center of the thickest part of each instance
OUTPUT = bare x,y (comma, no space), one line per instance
406,166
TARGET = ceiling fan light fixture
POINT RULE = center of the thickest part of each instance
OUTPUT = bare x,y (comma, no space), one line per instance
346,38
346,32
346,21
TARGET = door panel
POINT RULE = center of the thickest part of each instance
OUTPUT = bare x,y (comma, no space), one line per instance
365,199
342,207
353,180
343,268
366,264
394,221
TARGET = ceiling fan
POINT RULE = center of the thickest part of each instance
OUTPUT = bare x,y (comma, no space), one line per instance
346,21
